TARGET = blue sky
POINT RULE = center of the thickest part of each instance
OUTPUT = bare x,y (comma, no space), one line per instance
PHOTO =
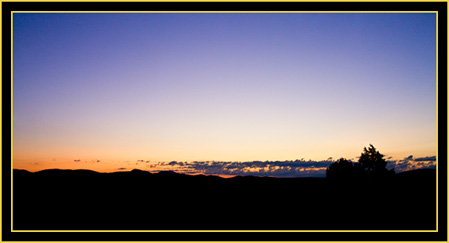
230,87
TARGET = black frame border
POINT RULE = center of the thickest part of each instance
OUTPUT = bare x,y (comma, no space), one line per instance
8,7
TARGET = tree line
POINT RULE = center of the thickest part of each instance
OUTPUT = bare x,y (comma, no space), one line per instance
371,164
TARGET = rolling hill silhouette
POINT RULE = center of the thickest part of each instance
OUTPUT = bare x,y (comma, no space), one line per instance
83,199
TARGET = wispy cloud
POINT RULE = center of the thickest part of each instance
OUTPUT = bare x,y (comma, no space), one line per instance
412,163
429,158
256,168
289,168
90,161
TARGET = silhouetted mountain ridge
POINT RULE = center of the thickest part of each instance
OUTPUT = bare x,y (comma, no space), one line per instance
84,199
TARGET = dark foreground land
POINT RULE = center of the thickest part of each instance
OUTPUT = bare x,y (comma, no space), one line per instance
81,199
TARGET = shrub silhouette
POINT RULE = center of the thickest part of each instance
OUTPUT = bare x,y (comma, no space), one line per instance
344,169
370,165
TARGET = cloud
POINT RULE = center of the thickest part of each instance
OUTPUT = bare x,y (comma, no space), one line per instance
255,168
411,163
288,168
121,168
174,163
77,160
428,158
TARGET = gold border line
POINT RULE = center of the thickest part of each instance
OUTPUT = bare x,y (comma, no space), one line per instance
244,241
228,231
447,89
336,1
339,231
436,76
447,168
241,241
207,12
1,122
12,137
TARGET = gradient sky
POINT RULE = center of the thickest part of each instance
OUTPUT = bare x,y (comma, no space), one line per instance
109,89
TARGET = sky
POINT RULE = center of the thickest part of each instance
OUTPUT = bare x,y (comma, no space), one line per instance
115,91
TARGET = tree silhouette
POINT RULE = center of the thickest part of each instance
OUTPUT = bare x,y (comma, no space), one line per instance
340,169
344,169
371,164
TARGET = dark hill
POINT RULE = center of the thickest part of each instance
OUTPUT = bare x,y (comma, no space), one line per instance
58,172
82,199
418,173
